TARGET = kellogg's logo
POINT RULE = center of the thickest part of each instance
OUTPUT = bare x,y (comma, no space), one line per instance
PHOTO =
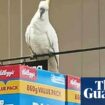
6,73
73,83
28,73
17,72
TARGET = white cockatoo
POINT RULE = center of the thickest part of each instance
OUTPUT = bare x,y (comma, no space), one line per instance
41,36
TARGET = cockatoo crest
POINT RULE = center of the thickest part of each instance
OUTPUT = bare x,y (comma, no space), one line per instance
44,4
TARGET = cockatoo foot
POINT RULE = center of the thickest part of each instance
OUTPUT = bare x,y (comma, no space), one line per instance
51,54
34,56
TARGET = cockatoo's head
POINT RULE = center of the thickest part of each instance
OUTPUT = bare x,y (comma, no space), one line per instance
43,7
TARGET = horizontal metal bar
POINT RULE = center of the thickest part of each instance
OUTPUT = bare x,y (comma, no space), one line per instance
13,59
55,53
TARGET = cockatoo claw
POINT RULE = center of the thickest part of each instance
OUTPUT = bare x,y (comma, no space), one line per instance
34,56
51,54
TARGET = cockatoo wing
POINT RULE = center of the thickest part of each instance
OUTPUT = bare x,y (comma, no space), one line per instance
53,39
29,31
27,36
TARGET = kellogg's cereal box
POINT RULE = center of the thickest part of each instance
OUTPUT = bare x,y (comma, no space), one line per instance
23,85
73,90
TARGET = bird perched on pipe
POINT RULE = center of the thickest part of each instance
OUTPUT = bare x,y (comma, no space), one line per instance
41,36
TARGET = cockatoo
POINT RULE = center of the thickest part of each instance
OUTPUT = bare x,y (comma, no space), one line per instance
41,36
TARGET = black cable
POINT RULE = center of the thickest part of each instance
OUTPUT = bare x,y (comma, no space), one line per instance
52,54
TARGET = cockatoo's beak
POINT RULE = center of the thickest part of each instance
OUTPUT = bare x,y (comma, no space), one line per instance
42,10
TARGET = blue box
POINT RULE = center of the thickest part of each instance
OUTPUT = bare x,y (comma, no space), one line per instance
23,85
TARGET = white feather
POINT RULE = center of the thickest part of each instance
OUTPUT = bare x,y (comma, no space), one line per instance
41,36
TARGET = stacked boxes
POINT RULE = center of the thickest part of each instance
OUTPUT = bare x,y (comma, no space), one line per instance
73,90
23,85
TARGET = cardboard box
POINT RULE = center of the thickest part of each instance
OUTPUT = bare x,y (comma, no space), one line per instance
73,90
23,85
